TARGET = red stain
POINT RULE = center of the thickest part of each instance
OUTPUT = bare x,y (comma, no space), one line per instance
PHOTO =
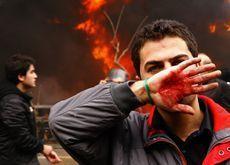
175,88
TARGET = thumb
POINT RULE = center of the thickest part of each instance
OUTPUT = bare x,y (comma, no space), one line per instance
184,109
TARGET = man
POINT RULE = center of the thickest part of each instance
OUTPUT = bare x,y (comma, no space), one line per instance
221,94
116,75
100,125
18,142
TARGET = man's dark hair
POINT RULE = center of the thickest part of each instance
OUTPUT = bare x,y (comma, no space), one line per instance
158,30
17,64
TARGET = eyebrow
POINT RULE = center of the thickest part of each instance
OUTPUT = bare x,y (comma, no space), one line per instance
154,62
179,56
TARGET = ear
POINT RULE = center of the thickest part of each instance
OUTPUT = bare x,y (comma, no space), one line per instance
21,77
137,77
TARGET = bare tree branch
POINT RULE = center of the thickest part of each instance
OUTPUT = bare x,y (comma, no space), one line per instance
119,20
130,42
116,43
120,66
110,21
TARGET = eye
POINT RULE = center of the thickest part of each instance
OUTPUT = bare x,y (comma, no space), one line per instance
32,71
154,69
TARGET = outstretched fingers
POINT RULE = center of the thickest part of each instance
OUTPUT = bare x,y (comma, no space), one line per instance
205,77
188,63
204,88
200,69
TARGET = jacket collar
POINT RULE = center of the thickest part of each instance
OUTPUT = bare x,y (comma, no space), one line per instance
220,117
7,88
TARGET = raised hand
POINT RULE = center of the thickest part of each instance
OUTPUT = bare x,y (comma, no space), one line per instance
170,86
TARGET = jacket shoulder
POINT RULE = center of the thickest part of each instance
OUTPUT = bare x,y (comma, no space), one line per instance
12,98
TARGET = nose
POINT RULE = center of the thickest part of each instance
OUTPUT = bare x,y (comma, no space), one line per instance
167,65
36,76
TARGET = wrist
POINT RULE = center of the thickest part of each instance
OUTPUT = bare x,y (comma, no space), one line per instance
147,89
139,90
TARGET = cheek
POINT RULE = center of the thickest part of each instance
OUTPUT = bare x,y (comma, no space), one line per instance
145,75
30,78
142,73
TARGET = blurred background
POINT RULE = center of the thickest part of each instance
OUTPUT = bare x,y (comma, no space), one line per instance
71,39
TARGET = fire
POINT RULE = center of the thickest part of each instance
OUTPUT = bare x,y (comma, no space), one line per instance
212,28
227,26
93,5
99,37
102,51
89,26
222,26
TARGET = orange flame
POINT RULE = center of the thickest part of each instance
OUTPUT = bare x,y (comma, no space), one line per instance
102,51
227,26
99,36
93,5
88,26
212,28
222,26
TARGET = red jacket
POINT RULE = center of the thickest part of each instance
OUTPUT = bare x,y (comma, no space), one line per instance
219,150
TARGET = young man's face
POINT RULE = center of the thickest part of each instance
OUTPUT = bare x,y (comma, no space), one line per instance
156,56
29,80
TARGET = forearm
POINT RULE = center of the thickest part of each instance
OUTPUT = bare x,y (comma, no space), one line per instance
93,111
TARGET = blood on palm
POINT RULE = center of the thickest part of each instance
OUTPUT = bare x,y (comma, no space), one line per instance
174,89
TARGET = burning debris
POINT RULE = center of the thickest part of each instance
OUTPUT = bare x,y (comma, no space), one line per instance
103,47
212,28
92,6
219,27
97,33
227,26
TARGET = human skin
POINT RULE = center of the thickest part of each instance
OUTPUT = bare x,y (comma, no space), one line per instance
173,75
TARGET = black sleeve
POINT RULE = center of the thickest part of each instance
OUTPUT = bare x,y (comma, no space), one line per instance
13,116
81,123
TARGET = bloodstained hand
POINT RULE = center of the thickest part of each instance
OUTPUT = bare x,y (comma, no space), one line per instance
170,86
174,89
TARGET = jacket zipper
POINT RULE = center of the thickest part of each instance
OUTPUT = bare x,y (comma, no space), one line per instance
183,160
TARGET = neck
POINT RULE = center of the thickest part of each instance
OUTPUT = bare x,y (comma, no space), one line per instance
181,124
21,87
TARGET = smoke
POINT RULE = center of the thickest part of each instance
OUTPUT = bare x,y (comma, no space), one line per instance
45,30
